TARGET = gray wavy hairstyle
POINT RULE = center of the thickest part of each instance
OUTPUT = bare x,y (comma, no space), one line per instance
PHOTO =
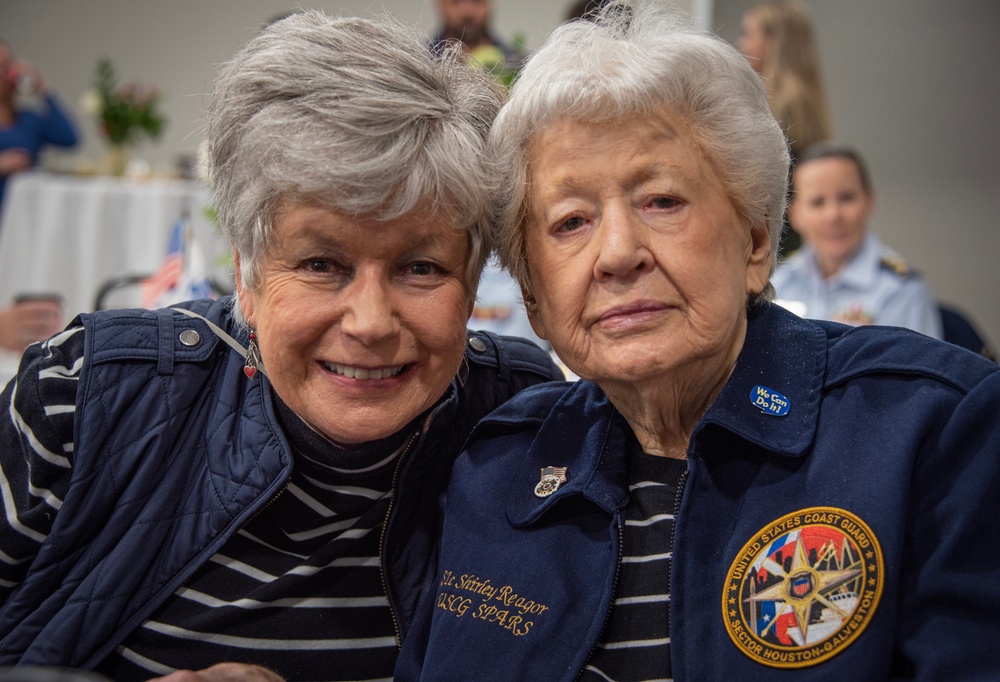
356,115
634,57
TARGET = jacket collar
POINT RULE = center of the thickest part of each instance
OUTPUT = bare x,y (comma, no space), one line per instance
782,354
584,433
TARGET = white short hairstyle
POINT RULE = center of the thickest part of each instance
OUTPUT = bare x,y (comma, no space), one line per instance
635,57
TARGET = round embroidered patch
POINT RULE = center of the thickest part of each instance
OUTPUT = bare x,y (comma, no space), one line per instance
803,588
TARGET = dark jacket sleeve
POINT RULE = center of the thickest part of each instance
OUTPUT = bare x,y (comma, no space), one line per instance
950,599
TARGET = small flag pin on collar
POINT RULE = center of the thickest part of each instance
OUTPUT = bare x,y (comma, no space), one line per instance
551,479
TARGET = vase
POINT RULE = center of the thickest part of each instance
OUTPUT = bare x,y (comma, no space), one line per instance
116,160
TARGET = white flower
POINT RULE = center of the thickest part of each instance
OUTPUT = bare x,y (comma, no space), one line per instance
90,102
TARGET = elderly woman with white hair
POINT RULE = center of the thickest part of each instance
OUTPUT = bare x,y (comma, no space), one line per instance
257,481
731,492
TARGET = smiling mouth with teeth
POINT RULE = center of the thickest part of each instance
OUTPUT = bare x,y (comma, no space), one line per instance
362,374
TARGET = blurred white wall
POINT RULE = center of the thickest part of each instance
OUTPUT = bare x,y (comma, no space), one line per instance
913,84
178,45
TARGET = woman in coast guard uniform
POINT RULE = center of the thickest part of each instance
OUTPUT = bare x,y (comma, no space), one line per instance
844,272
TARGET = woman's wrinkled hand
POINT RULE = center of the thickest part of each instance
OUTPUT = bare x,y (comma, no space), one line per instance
223,672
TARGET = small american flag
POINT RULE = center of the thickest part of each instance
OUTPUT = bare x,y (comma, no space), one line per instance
155,288
183,276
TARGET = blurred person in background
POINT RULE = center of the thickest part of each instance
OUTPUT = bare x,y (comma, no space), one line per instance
249,487
778,40
498,308
843,272
466,22
24,132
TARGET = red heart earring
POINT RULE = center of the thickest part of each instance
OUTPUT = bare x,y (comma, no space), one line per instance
253,357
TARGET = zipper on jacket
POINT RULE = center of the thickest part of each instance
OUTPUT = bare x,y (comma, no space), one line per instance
187,581
163,594
618,565
385,526
614,591
678,498
267,504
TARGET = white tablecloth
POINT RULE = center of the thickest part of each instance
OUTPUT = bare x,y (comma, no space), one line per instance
69,235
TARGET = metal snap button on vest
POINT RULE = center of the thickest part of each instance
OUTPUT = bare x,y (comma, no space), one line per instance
477,344
190,337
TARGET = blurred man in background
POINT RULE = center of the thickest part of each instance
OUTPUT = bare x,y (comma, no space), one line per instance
467,22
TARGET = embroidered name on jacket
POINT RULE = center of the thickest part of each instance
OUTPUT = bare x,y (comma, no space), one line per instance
468,595
803,588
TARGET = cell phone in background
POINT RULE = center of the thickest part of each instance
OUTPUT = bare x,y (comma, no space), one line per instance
35,316
42,296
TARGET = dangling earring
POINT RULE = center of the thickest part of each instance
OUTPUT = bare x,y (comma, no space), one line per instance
253,357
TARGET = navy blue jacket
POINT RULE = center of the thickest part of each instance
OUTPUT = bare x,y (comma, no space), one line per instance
175,449
838,521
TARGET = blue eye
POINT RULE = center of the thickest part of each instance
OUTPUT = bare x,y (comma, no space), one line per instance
574,223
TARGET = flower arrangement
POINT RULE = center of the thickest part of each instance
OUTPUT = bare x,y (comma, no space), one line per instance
128,111
492,60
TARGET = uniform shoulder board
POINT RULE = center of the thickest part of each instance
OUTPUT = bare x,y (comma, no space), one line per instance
896,264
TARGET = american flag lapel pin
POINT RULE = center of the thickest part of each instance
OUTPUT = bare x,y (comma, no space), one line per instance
551,479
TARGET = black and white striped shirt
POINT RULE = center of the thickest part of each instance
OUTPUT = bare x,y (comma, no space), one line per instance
36,443
297,590
636,641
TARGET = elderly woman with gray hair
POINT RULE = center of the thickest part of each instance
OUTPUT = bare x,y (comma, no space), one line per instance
258,480
731,492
